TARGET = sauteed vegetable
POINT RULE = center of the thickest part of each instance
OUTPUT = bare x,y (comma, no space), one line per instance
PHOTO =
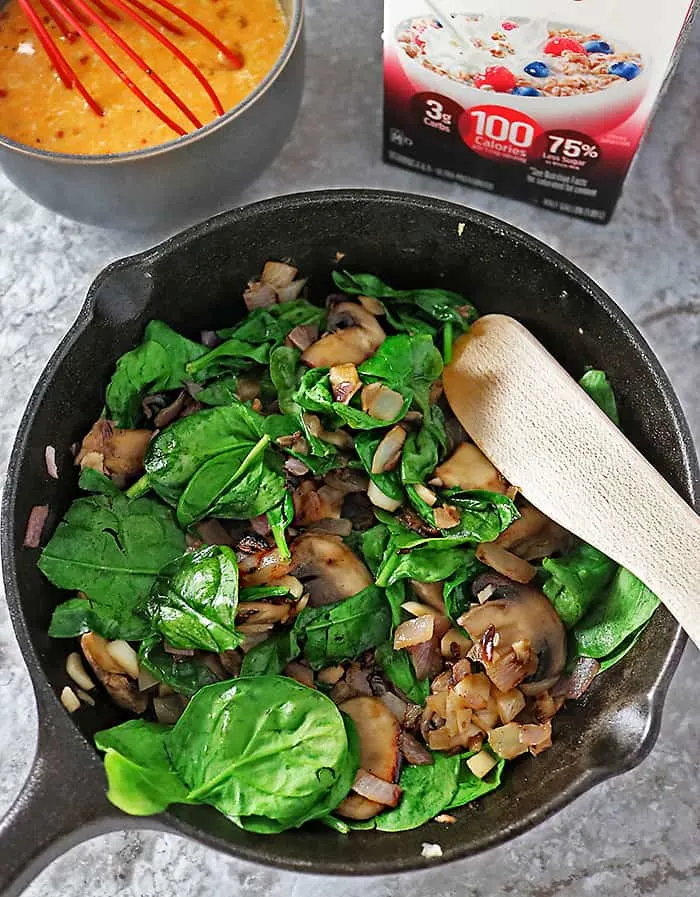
316,596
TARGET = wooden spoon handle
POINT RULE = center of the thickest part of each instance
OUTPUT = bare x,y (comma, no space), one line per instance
552,441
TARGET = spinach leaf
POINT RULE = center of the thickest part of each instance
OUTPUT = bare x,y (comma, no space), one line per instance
257,593
273,324
427,790
424,448
242,483
279,519
232,355
321,458
576,581
426,563
366,443
220,392
285,373
315,394
193,601
372,544
285,753
270,657
157,364
599,389
93,481
111,549
406,361
396,596
398,668
623,648
627,605
139,773
342,631
186,675
470,787
456,592
410,308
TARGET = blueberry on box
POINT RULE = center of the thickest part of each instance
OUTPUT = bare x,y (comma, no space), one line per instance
626,70
537,69
526,92
598,46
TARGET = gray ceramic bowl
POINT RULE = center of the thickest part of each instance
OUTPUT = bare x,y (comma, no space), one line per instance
165,187
194,281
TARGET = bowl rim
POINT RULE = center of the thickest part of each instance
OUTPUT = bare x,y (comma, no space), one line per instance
47,698
296,21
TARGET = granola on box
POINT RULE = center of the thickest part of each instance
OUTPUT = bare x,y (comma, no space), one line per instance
545,100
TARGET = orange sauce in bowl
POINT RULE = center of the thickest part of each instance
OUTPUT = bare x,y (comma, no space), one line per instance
38,110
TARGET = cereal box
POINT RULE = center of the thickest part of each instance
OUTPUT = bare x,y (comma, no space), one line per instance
542,100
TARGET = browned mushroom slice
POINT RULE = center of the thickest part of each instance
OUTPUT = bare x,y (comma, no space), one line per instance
122,450
378,731
123,690
534,535
468,468
354,335
329,569
505,562
521,640
429,593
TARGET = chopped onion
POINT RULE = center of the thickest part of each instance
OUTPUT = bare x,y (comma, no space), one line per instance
584,672
482,763
380,499
485,594
381,402
278,274
413,750
506,742
414,632
425,494
69,699
446,818
303,335
35,526
446,517
505,562
475,690
388,452
420,610
76,671
536,736
345,382
85,697
376,789
295,586
430,851
509,704
259,295
291,292
209,339
122,653
50,458
455,644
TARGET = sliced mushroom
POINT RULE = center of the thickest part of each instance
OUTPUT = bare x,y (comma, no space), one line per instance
521,639
329,569
505,562
378,731
381,402
357,807
122,450
534,535
468,468
429,593
123,690
354,335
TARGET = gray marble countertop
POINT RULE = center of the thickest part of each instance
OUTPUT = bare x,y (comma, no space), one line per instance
635,836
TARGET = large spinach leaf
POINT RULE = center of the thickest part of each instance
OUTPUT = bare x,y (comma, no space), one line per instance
576,581
626,606
416,311
139,773
111,550
398,668
285,373
403,362
193,601
284,755
342,631
221,391
273,324
157,364
426,563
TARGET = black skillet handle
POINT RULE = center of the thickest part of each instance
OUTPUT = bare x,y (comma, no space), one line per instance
61,804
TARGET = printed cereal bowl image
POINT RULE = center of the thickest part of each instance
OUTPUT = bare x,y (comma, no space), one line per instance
550,71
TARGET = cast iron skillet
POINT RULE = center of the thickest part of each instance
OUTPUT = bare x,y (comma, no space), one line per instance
195,281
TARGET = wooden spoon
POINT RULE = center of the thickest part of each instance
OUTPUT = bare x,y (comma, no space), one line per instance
546,436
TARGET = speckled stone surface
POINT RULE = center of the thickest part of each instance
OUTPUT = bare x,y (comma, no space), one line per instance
635,836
